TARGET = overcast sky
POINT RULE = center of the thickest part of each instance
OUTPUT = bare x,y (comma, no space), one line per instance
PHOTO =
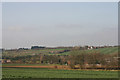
59,24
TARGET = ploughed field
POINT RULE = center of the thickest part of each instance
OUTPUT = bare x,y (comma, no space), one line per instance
55,73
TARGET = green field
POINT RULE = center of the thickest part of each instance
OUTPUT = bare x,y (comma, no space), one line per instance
104,50
29,64
109,50
54,73
28,52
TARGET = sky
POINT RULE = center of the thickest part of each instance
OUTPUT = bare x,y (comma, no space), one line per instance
52,24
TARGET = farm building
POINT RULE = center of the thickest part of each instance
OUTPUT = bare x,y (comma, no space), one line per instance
8,61
5,61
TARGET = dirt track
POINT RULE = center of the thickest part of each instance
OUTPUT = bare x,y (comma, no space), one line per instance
55,67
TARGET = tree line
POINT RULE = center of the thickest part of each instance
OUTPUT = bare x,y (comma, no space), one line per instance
83,60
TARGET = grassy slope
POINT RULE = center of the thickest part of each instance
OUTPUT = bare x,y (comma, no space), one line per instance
105,50
46,51
54,73
101,50
29,52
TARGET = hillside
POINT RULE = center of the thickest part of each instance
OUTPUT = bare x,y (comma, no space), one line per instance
109,50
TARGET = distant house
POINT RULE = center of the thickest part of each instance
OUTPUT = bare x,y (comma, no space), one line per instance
90,47
3,61
8,61
98,65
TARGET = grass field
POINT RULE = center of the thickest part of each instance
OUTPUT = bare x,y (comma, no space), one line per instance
54,73
47,52
28,52
29,64
110,50
104,50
